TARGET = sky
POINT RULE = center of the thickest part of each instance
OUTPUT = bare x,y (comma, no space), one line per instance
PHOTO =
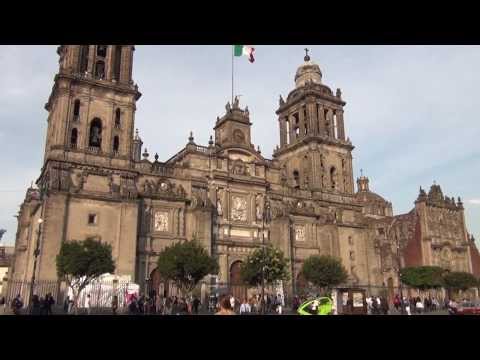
411,111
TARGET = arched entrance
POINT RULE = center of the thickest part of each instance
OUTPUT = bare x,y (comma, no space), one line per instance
160,287
237,288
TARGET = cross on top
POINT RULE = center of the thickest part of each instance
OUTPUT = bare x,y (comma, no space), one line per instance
307,57
361,172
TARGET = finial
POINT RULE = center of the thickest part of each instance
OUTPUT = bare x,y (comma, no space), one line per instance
361,172
339,93
156,156
258,149
210,142
306,58
145,154
190,138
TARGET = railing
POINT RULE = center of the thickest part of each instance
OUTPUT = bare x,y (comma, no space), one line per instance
94,149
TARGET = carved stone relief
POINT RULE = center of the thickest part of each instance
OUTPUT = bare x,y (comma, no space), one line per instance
161,221
239,208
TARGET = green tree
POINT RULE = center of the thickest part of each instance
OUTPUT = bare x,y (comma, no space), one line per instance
457,280
273,262
423,277
186,263
80,262
324,271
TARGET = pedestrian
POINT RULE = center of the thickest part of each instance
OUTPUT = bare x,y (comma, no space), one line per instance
196,305
452,307
419,306
384,306
225,307
35,305
70,305
232,302
65,304
49,302
396,302
132,306
279,308
407,306
375,306
16,305
369,305
245,307
114,304
87,304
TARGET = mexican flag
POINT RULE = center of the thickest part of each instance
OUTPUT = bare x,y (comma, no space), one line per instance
246,50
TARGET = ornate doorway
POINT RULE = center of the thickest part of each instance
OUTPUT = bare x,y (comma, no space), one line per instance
160,287
237,288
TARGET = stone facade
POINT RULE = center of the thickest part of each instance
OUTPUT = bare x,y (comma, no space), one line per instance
97,183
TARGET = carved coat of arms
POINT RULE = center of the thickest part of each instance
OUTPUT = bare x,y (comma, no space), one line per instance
161,221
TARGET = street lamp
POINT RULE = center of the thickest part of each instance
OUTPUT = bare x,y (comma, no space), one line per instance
36,252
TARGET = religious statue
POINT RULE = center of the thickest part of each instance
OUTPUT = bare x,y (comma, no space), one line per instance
259,207
227,107
236,103
281,101
219,202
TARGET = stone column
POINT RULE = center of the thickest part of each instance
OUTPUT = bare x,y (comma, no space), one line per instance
109,63
91,59
283,135
125,64
321,120
291,121
313,118
340,125
302,120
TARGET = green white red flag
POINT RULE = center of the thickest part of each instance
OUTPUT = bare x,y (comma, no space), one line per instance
244,50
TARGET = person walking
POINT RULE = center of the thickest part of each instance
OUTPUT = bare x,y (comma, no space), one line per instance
114,304
17,304
49,302
195,305
87,304
225,307
419,306
232,302
65,304
35,305
245,307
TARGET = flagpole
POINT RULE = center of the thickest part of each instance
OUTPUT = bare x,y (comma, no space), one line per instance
233,50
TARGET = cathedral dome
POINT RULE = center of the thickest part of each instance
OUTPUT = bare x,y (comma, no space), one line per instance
308,72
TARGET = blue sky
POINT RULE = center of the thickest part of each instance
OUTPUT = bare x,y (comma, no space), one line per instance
411,111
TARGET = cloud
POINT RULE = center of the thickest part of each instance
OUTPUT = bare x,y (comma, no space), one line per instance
474,201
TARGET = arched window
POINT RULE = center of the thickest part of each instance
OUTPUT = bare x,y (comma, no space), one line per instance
83,59
118,61
95,138
102,50
296,178
117,118
74,138
116,144
100,70
287,124
335,126
333,175
76,110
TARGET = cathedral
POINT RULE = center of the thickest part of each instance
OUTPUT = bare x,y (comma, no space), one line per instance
98,181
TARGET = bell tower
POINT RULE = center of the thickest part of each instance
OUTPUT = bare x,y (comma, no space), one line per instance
313,150
92,105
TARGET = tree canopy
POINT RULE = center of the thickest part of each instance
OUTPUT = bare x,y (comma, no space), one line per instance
456,280
272,261
324,271
423,277
81,262
186,263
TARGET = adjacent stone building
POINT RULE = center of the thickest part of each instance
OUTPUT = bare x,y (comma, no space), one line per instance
98,181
